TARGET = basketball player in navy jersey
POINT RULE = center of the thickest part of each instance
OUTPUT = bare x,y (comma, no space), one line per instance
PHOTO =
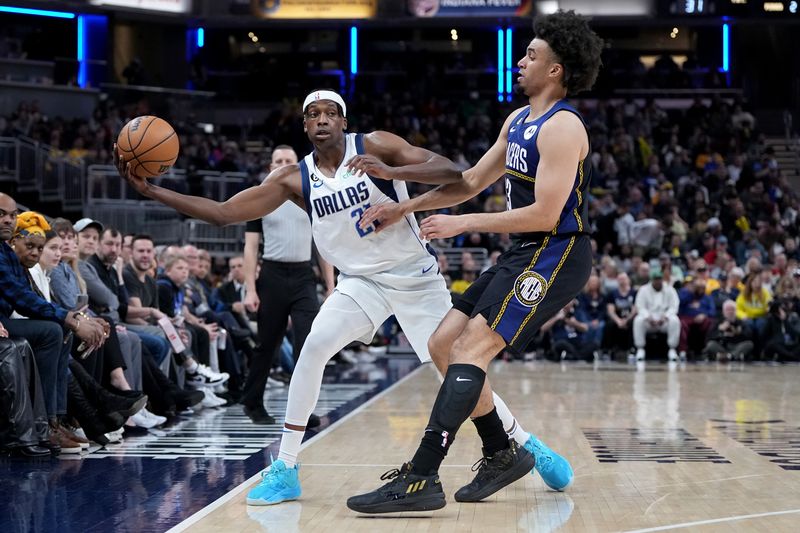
541,152
382,274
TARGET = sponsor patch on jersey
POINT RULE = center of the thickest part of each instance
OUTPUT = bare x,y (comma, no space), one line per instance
530,131
530,288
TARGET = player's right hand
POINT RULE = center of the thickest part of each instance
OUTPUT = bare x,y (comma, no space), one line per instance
251,301
382,216
139,184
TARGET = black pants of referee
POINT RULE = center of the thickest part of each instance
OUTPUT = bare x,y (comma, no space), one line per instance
285,290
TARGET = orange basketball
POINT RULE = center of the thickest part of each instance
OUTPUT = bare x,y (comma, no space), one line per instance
150,144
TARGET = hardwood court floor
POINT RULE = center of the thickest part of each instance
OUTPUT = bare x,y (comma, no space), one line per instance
703,448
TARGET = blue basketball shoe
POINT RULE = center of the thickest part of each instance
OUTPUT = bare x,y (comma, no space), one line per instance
278,484
554,469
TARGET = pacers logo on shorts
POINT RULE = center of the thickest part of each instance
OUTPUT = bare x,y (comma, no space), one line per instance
530,288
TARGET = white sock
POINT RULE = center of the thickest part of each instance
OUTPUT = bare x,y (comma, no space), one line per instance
290,446
192,368
510,424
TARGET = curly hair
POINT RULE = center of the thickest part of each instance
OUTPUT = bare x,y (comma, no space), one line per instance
575,46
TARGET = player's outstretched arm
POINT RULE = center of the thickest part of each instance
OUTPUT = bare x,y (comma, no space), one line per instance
560,142
391,158
490,167
281,185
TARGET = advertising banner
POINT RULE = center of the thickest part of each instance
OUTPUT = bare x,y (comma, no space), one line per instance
315,9
469,8
166,6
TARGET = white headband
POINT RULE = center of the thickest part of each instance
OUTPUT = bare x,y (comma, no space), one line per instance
324,95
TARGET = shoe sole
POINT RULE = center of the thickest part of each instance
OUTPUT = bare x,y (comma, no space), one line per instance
429,503
264,503
76,450
508,477
32,456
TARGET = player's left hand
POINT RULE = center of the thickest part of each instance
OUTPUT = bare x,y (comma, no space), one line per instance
369,164
442,226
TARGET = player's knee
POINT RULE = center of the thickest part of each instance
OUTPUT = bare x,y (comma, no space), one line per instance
476,347
316,351
439,349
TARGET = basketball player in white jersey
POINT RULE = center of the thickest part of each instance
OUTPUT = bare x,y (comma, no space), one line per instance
381,274
286,288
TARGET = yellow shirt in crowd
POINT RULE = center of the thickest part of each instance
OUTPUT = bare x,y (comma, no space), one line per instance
754,307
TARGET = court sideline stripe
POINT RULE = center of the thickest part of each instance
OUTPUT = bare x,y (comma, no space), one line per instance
208,509
713,521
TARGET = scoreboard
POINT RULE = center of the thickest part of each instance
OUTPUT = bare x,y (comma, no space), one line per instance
788,9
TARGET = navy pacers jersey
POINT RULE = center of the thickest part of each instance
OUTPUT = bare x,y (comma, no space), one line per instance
522,158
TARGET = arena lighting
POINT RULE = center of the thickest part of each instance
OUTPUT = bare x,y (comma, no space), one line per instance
726,52
509,32
353,50
81,51
500,59
37,12
201,37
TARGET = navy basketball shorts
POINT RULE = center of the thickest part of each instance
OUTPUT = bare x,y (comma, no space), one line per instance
530,283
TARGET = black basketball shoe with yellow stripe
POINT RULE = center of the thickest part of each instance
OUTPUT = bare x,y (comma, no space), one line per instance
404,492
497,471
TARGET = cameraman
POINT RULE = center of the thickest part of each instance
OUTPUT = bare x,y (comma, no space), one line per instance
568,335
782,333
730,339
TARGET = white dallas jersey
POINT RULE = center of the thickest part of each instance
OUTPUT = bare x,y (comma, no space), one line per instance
335,206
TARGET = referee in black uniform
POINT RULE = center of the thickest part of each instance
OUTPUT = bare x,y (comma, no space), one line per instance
286,287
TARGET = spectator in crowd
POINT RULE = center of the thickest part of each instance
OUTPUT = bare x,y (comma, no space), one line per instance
656,310
729,289
752,304
591,310
125,253
143,293
171,299
45,328
782,333
468,275
673,274
65,279
231,294
730,338
641,276
201,303
106,298
23,418
701,272
621,310
788,287
143,311
696,312
608,274
105,364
